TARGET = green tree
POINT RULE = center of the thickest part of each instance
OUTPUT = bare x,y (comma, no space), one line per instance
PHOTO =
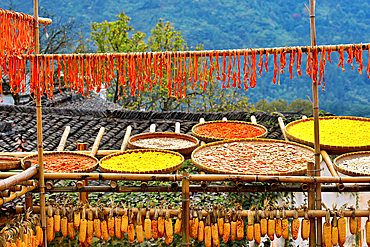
300,105
117,36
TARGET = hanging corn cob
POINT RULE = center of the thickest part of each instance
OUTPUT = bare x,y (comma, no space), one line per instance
83,226
57,218
110,219
227,227
118,222
195,223
39,232
250,226
103,225
285,223
131,225
233,226
278,226
161,220
97,223
201,226
191,213
64,220
264,214
71,226
342,226
139,226
214,227
239,225
168,227
220,222
124,222
90,225
334,227
178,223
155,223
295,224
327,228
353,222
208,231
271,226
50,224
257,228
305,231
77,215
147,223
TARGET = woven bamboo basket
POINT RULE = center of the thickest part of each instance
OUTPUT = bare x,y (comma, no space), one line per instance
342,159
207,169
184,151
331,149
9,163
60,154
171,169
213,139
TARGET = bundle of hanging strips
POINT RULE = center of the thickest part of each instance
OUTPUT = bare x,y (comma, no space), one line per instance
16,38
177,71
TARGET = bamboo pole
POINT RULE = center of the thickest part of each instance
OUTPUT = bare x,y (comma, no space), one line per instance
331,168
206,188
97,141
311,202
316,129
63,140
248,51
41,20
125,139
177,127
39,130
152,128
17,178
185,209
282,128
253,119
24,190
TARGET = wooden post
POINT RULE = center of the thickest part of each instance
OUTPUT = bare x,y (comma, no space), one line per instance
83,196
177,127
185,209
63,140
311,202
39,128
125,139
316,127
282,128
253,119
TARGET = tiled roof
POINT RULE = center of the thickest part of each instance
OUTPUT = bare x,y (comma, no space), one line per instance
85,125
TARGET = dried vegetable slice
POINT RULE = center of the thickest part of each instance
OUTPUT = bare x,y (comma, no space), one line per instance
253,156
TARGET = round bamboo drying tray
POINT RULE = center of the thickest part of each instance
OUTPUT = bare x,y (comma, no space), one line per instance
254,141
171,169
186,151
331,149
213,139
9,163
349,156
90,169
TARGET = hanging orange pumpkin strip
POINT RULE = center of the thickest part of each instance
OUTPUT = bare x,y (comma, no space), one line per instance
229,75
224,69
276,69
341,58
350,56
217,67
260,63
239,81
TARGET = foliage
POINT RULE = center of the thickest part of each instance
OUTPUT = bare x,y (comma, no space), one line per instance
164,38
282,105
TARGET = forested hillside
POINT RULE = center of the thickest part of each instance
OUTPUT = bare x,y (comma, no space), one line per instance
231,24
